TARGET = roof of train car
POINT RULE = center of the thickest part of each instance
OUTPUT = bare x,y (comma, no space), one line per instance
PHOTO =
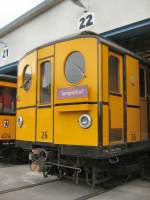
111,44
8,78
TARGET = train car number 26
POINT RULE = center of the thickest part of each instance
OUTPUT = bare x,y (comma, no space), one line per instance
44,135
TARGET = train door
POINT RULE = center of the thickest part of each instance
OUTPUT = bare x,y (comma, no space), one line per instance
132,99
26,98
116,113
44,121
143,104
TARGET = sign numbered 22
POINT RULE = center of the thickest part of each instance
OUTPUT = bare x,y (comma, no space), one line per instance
86,21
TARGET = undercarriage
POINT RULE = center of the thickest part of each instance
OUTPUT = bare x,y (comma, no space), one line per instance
91,170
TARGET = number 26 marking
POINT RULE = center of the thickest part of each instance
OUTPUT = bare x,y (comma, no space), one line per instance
44,135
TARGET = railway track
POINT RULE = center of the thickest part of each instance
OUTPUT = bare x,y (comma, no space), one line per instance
92,194
108,187
102,190
84,197
27,186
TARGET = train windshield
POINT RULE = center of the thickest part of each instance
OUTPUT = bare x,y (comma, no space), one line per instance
7,100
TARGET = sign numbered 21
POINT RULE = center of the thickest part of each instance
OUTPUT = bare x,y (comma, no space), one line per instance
4,53
86,21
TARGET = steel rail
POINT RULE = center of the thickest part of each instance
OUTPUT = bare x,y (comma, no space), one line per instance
27,186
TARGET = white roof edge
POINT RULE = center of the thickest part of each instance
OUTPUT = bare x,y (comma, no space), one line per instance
31,14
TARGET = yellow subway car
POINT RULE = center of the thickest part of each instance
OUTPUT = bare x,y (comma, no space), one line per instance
7,113
83,107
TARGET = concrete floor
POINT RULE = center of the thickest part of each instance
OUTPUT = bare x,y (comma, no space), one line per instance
14,176
135,190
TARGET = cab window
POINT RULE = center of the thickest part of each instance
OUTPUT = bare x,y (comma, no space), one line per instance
27,76
75,67
142,83
45,84
7,100
113,74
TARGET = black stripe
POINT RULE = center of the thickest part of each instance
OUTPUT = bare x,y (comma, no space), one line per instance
25,107
44,106
8,114
115,94
105,103
148,103
75,103
125,99
100,124
37,68
133,106
99,107
52,95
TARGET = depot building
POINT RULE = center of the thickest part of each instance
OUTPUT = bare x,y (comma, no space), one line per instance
126,22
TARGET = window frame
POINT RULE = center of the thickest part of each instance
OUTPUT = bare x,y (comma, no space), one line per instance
117,56
83,76
13,111
145,83
23,78
41,62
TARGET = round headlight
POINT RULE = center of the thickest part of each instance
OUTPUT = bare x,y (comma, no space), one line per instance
20,121
85,121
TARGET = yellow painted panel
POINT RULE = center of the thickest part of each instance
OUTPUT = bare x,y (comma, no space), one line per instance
8,84
116,112
44,125
104,63
105,125
9,132
68,131
27,98
88,48
27,131
70,108
132,77
133,125
46,52
144,120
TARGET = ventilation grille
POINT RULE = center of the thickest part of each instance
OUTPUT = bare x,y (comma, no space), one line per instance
115,134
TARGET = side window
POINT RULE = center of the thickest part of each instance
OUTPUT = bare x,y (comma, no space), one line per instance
7,100
27,76
45,84
142,83
113,74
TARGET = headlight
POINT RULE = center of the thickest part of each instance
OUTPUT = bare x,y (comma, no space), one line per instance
85,121
20,121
